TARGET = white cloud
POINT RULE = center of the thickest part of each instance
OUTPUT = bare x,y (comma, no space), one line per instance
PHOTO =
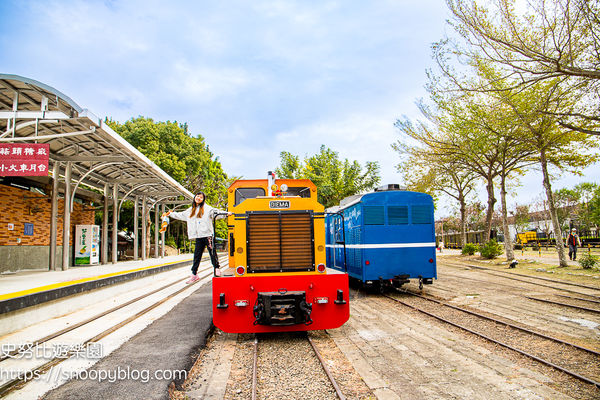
203,84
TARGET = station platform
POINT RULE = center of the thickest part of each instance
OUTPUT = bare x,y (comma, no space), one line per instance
29,288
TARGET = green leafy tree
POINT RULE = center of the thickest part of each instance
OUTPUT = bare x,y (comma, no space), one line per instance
290,166
567,201
529,43
556,147
521,217
335,179
428,171
184,157
585,192
594,206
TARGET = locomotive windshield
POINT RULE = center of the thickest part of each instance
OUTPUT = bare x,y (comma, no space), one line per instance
242,194
298,191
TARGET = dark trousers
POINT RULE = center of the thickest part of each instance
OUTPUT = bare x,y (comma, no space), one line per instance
201,243
572,252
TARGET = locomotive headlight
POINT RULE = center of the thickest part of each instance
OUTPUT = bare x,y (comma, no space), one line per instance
240,270
274,187
321,300
321,268
284,187
241,303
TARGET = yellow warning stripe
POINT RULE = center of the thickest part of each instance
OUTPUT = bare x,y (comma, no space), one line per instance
75,282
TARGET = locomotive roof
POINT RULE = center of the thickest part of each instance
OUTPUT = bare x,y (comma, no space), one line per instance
357,198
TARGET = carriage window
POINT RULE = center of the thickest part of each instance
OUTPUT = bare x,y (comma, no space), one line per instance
298,191
422,215
242,194
373,215
398,215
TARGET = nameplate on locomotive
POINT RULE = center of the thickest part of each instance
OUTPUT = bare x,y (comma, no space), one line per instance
279,204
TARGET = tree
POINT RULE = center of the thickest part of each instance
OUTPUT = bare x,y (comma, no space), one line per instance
549,40
567,201
594,206
290,167
521,217
585,192
556,146
425,170
184,157
335,179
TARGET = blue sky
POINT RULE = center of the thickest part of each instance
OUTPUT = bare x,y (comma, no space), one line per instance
253,78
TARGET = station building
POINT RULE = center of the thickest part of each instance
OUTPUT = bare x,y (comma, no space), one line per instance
87,166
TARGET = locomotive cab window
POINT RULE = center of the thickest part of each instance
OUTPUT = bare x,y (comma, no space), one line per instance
242,194
301,191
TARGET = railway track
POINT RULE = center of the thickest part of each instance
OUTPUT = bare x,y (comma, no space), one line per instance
569,305
514,276
299,348
548,301
576,361
19,382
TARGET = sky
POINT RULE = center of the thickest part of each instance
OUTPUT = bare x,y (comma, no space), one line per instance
254,78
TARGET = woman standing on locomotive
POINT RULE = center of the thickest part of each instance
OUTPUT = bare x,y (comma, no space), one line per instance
199,219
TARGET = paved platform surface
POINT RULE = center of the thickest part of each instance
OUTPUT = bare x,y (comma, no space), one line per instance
19,283
170,343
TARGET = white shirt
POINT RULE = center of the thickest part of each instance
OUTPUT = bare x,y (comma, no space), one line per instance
198,227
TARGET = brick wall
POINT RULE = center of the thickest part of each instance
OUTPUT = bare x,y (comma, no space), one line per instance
18,206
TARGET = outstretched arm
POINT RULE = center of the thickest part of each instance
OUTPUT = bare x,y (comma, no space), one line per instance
180,215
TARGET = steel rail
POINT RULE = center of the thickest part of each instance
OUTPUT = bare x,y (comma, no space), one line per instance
542,300
591,351
16,383
578,298
95,317
537,277
524,281
533,357
563,304
255,367
336,387
338,391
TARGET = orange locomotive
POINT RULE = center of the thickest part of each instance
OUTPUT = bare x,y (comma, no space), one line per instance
277,252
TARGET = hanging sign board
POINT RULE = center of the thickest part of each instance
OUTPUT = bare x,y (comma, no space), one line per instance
24,159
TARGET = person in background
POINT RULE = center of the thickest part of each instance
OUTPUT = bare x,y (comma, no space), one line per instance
573,241
199,218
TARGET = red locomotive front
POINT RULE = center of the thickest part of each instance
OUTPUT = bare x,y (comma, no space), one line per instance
277,253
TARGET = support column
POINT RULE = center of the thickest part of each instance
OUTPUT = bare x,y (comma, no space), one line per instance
53,217
104,248
115,221
144,233
156,228
162,235
67,218
136,229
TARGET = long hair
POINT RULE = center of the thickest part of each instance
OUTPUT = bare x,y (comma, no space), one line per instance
198,209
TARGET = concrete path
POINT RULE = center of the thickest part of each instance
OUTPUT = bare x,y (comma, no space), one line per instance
169,344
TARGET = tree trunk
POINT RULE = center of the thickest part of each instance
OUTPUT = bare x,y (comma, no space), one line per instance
555,224
508,245
490,209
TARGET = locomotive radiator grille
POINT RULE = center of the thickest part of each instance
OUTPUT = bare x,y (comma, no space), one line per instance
281,241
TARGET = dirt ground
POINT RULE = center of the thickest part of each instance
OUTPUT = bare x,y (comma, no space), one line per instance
398,353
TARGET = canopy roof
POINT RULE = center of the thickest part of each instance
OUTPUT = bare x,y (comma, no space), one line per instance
32,112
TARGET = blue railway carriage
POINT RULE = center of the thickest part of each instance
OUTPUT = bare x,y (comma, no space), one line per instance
383,238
